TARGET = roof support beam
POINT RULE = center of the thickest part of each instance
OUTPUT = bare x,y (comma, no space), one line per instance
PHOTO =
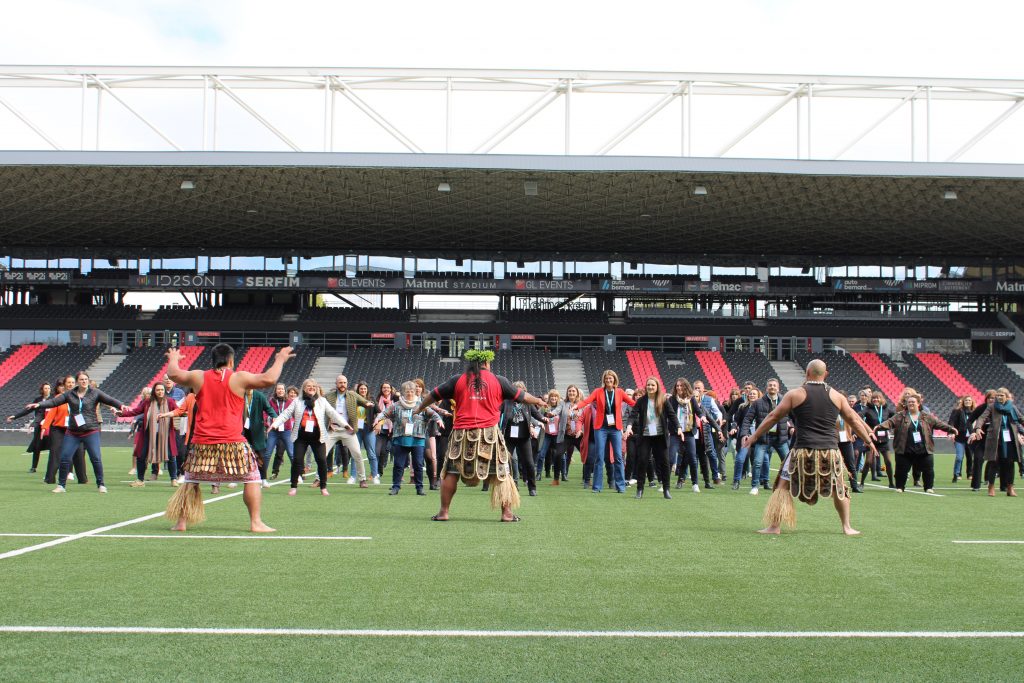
517,121
218,84
643,118
877,123
28,122
139,116
391,129
764,117
986,130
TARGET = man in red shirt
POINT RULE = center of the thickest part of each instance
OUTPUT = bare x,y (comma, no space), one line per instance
219,453
476,449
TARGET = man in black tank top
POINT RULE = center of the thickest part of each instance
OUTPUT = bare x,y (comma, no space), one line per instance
815,466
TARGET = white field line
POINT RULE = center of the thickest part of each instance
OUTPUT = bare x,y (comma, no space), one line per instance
109,527
990,542
450,633
920,493
254,537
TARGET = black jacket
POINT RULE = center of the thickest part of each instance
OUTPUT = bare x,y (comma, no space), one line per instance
756,414
669,422
530,412
698,412
870,417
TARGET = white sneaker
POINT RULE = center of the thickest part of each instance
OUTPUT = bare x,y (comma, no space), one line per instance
754,491
300,480
59,489
334,470
102,489
233,485
71,476
131,472
376,480
351,480
632,482
696,488
266,484
181,479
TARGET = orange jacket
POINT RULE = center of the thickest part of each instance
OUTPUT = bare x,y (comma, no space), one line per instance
187,408
55,417
597,398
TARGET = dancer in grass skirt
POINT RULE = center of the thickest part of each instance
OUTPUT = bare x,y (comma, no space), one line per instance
219,452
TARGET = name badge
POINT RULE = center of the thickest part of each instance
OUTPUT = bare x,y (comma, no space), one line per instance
280,427
408,428
513,432
310,425
183,426
552,427
774,429
246,425
1006,436
843,438
652,428
67,420
917,437
79,420
881,433
361,423
609,419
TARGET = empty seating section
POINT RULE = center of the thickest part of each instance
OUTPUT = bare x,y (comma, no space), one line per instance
643,365
142,368
299,368
51,363
747,366
596,361
986,372
376,365
950,376
691,369
325,314
556,316
255,359
882,376
532,366
17,361
937,395
66,312
720,378
233,313
844,373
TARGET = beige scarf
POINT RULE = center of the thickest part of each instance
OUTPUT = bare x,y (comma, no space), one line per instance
159,437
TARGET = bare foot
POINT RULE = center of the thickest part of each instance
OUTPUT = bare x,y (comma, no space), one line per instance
260,528
770,530
324,492
850,531
440,516
180,526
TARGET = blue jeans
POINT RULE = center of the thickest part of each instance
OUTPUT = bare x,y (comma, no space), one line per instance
400,455
273,437
683,454
602,437
763,460
92,447
368,440
542,452
961,450
739,463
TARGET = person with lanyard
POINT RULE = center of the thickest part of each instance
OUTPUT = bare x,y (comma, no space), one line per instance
311,417
476,448
54,427
960,417
517,421
741,463
912,438
706,449
573,430
814,468
185,414
846,437
279,440
254,427
39,414
154,443
83,426
545,451
776,438
365,435
1002,441
683,445
409,436
978,446
607,428
347,452
558,433
654,423
876,413
385,397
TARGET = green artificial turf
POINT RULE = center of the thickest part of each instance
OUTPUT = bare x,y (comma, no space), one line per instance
577,561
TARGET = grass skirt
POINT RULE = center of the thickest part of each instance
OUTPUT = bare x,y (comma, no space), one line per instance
187,504
817,472
481,455
780,509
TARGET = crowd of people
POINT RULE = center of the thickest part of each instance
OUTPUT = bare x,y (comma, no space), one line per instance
643,438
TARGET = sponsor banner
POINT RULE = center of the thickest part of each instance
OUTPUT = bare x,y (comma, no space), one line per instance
177,281
522,337
691,338
207,333
36,276
638,286
728,287
992,333
382,335
843,284
1001,286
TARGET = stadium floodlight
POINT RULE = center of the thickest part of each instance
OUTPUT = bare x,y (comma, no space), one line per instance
700,190
444,187
949,194
188,185
530,187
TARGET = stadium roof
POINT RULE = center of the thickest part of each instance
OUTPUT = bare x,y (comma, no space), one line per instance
648,209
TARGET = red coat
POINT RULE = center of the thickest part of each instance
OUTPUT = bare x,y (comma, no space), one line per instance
597,398
142,433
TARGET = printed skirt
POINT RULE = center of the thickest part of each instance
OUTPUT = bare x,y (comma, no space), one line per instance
221,463
816,472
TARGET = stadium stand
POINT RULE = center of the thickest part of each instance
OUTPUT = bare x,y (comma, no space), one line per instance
643,366
141,368
948,375
720,377
254,359
559,317
232,313
47,365
329,315
937,396
754,367
844,373
881,375
986,372
59,312
596,361
376,365
532,366
17,361
299,368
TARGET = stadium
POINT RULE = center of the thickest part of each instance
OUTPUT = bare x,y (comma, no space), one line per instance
388,266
